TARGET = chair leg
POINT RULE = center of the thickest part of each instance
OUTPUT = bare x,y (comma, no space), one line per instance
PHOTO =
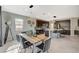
47,51
19,49
24,50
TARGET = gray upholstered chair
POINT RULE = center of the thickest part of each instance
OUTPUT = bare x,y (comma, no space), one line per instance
24,43
44,46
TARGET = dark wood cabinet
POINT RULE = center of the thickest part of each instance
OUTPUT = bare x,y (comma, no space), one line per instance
65,32
40,23
39,31
76,32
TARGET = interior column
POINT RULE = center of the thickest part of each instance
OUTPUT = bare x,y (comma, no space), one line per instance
73,25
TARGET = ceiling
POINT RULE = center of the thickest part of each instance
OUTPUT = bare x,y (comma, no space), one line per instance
44,12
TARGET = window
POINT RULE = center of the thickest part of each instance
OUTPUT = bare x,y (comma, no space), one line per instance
19,24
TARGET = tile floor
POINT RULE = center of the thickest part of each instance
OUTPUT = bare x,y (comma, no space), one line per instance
66,44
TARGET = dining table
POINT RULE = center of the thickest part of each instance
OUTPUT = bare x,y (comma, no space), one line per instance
35,40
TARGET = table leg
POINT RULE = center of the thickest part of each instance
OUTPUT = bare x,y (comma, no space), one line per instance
33,50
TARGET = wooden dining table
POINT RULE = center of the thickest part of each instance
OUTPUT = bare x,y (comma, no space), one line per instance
35,40
40,37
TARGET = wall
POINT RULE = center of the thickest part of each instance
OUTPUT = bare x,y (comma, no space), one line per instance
7,16
27,27
40,23
65,24
72,25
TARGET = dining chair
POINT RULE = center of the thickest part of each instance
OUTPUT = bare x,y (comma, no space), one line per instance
47,33
24,43
44,46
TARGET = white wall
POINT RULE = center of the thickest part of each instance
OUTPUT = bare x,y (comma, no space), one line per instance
65,24
28,26
7,16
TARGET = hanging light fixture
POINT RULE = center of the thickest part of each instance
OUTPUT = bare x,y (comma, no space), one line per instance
31,6
54,16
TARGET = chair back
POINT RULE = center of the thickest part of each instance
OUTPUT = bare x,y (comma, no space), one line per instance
21,40
47,33
47,45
